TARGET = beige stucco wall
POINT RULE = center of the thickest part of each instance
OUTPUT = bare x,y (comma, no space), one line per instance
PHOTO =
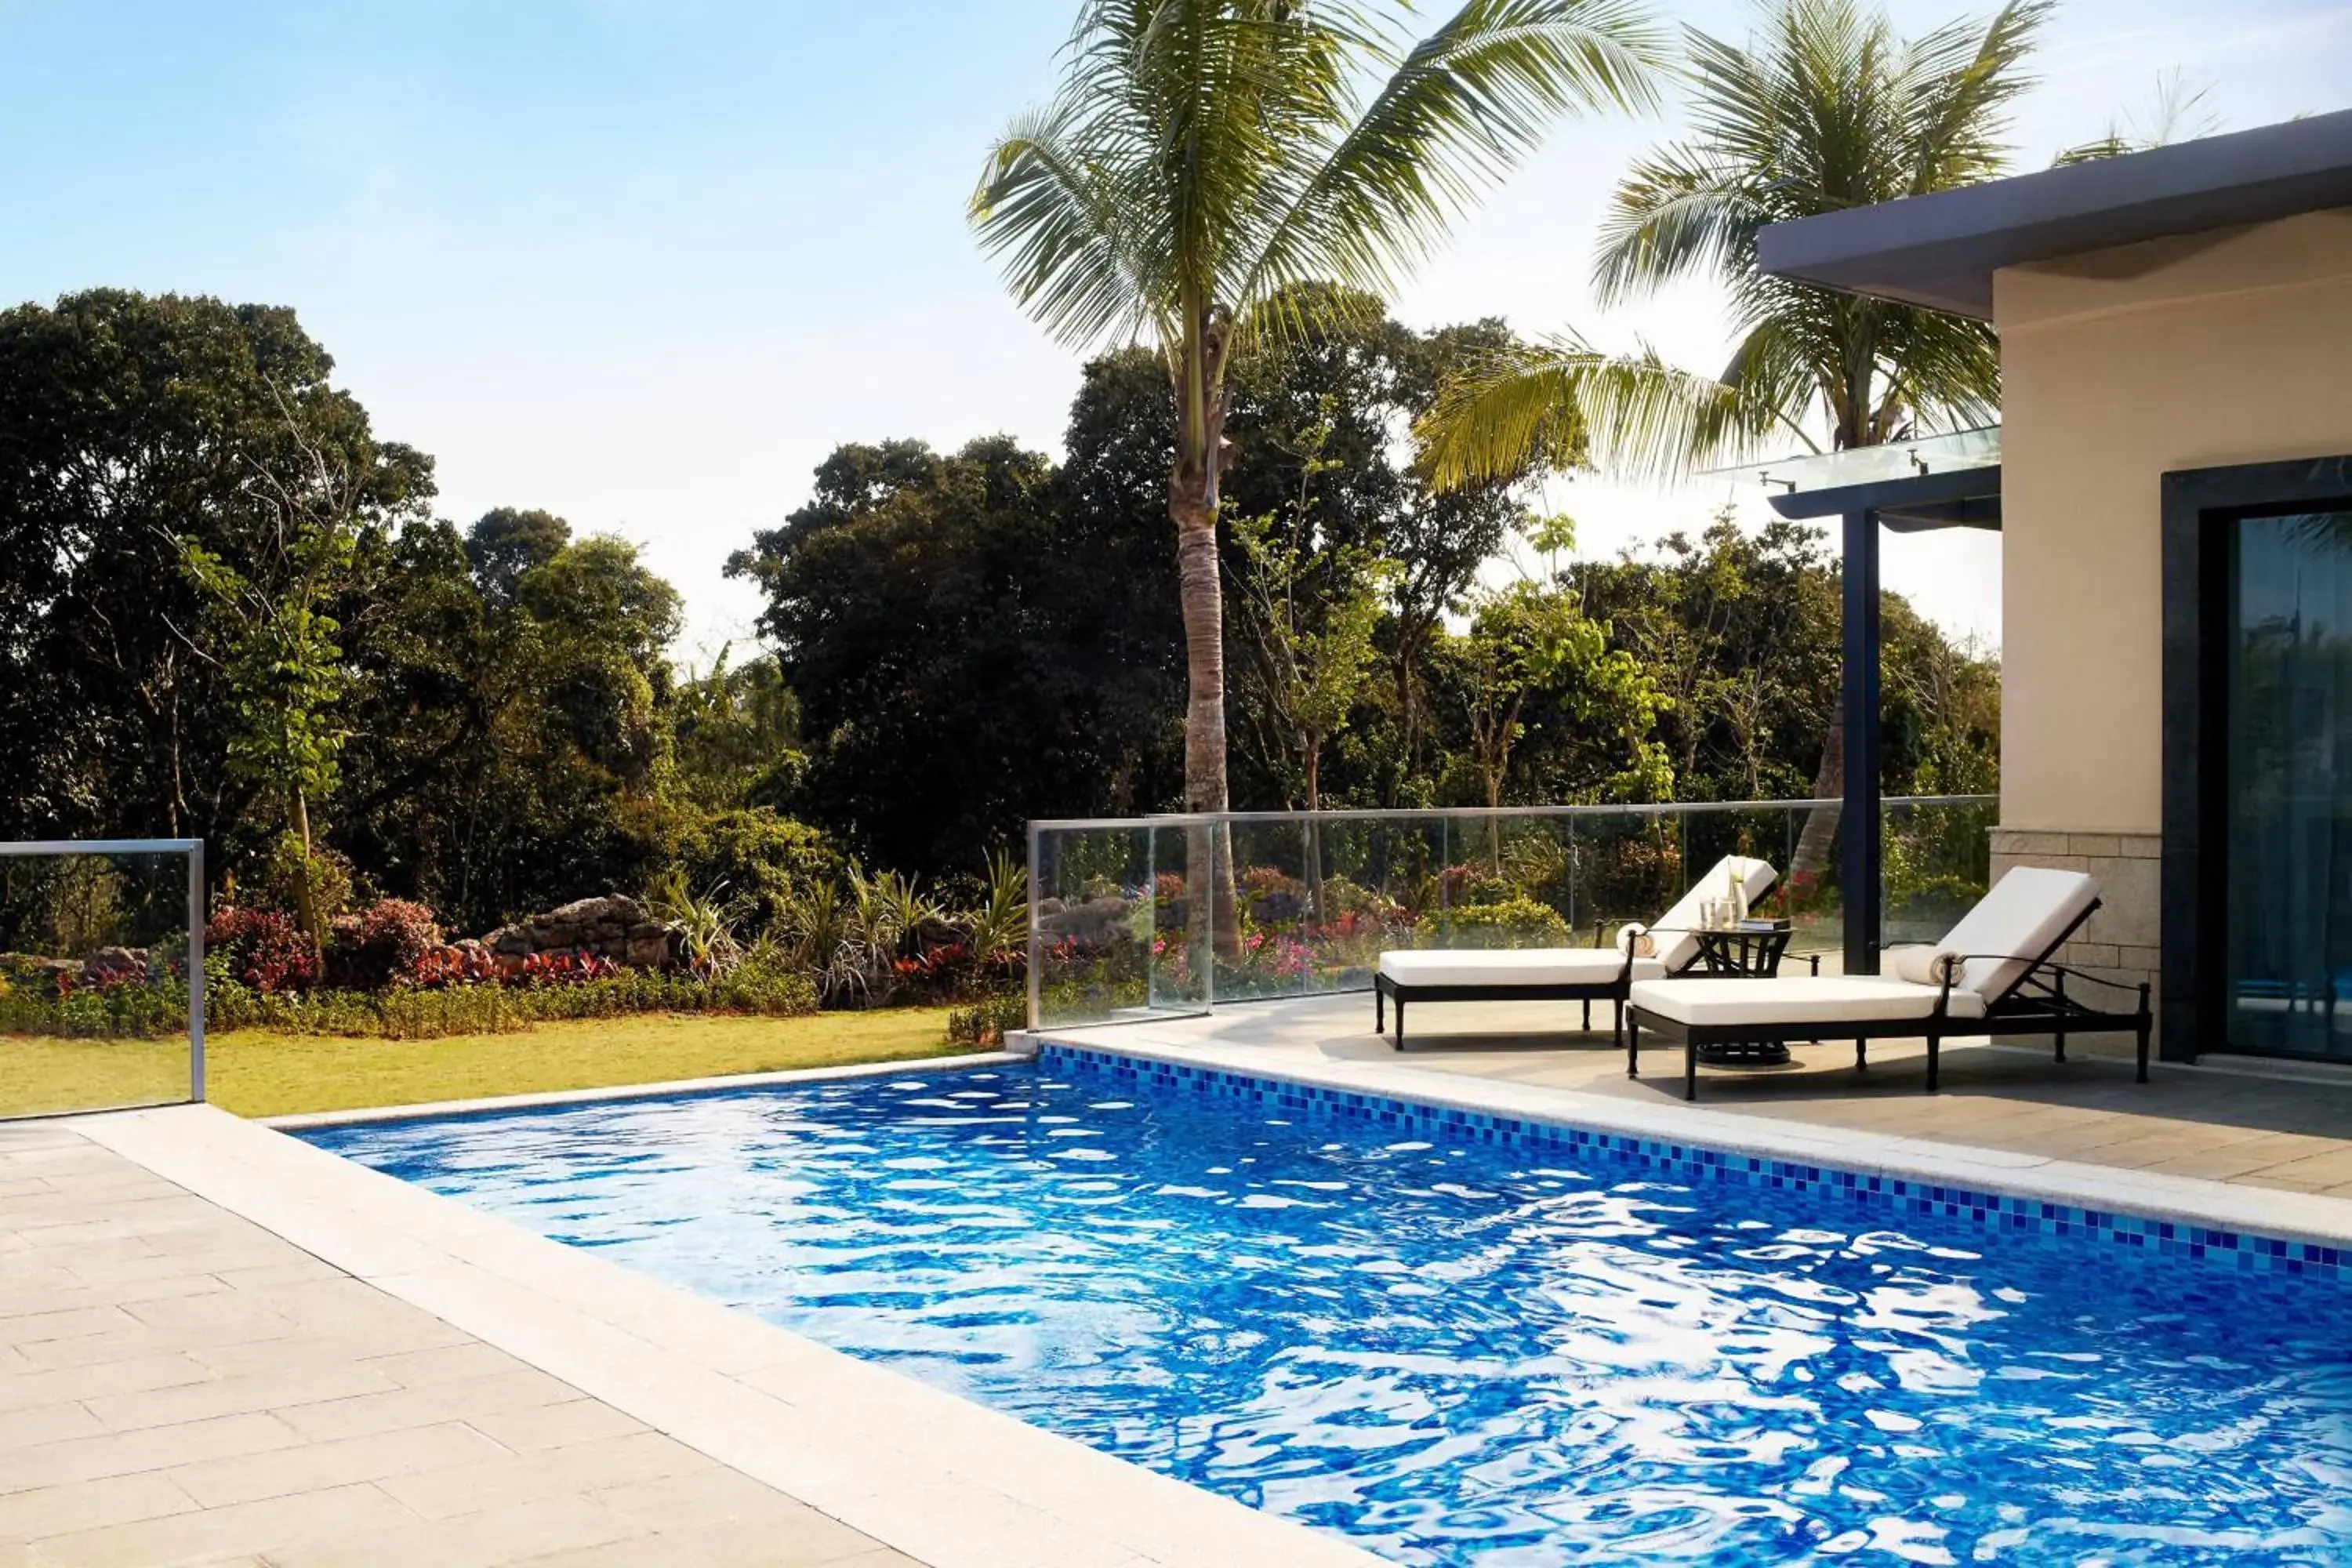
2231,347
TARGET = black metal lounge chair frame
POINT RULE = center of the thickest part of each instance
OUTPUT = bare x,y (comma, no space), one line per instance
2035,1002
1618,989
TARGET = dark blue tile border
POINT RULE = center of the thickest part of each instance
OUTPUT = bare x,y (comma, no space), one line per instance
2002,1212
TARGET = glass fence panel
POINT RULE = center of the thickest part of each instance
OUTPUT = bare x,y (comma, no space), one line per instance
93,981
1266,874
1177,915
1092,933
1180,956
1939,863
1373,887
1630,866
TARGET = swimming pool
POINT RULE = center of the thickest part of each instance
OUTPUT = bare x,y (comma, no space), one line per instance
1463,1341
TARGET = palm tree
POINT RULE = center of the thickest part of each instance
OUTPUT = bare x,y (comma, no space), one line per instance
1824,108
1202,156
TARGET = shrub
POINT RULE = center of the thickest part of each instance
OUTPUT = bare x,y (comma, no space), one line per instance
1509,922
414,1014
262,949
983,1025
390,943
765,857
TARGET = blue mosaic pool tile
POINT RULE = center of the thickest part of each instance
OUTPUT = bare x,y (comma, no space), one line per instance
1994,1211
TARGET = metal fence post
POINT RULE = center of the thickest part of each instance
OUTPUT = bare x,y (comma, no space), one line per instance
1036,930
196,972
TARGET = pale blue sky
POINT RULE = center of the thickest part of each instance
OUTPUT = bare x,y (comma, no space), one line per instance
645,263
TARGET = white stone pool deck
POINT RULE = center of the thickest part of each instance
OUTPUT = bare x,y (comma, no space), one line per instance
221,1345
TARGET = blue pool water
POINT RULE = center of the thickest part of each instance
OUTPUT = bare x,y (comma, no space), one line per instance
1465,1350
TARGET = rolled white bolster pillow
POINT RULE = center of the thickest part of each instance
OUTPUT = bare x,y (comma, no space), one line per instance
1635,938
1923,965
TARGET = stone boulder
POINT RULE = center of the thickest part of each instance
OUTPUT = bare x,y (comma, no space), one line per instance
1092,923
115,966
615,927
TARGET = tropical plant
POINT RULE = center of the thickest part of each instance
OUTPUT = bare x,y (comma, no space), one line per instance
996,929
706,925
1200,156
2177,110
1826,109
815,935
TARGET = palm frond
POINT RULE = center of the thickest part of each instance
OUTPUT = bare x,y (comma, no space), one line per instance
1053,212
1462,108
1633,415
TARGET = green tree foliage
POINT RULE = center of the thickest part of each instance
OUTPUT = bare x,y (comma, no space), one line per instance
967,650
1739,631
1201,157
222,596
163,564
518,719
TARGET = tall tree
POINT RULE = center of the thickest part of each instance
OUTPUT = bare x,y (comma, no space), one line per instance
1200,155
1826,108
143,428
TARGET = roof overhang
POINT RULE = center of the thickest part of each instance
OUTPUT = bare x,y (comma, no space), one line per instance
1919,503
1941,251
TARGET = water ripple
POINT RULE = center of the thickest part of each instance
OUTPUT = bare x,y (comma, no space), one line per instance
1463,1355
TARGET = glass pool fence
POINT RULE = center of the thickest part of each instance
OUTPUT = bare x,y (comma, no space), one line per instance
1145,917
102,975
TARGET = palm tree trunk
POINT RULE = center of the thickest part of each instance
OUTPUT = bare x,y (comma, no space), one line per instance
1813,855
1203,601
1209,850
1192,506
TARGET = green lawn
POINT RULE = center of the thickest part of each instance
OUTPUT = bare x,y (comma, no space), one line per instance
256,1074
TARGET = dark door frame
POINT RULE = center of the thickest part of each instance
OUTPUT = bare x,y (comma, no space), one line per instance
2201,507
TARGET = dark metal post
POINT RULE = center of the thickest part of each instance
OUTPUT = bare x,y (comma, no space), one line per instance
1862,872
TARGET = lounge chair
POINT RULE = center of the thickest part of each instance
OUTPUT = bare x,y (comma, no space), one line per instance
1992,976
1586,974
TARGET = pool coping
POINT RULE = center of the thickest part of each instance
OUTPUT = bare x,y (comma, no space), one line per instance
671,1089
945,1480
2300,1218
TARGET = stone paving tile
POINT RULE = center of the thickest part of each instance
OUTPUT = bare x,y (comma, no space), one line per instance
89,1505
39,1423
179,1386
540,1426
400,1407
527,1477
314,1467
91,1457
264,1528
520,1532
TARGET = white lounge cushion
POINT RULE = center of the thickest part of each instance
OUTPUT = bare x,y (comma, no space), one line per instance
1831,1001
1675,930
1513,966
2019,919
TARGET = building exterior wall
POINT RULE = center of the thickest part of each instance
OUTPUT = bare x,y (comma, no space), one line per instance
2119,365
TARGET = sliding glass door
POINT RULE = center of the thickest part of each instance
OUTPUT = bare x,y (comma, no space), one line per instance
2287,942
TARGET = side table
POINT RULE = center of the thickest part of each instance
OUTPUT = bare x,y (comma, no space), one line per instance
1755,952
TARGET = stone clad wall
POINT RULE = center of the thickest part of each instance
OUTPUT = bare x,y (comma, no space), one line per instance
2121,941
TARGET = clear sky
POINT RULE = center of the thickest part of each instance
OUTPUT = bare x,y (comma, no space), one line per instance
644,262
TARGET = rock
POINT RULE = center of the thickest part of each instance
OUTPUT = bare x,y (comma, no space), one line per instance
613,927
1090,923
115,966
